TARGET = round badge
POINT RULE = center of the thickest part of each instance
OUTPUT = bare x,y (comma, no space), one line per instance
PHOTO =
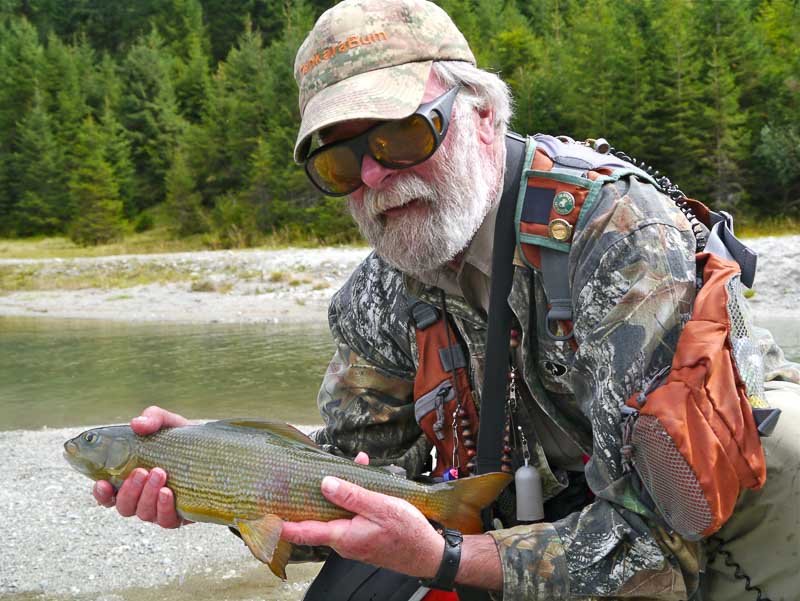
563,203
560,230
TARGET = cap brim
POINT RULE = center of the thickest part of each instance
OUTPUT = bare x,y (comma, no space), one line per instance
390,93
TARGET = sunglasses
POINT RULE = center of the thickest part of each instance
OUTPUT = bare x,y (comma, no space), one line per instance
335,169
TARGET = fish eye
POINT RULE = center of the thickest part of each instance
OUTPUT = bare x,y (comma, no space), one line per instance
90,437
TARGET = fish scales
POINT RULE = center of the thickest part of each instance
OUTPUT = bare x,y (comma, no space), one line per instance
230,472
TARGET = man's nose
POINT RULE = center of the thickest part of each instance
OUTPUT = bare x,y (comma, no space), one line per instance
373,174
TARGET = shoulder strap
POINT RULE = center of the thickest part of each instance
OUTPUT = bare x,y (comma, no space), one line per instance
493,406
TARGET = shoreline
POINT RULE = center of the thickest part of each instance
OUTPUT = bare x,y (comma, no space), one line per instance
267,286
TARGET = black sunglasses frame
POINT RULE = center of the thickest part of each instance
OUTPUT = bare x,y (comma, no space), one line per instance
442,106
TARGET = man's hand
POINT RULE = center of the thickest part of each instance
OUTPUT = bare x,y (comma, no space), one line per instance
143,493
385,531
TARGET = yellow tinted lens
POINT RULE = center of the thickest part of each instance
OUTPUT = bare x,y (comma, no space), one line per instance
402,143
336,170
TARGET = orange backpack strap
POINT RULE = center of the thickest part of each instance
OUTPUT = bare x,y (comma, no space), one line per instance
443,403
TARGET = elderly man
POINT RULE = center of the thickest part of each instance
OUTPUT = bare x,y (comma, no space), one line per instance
415,135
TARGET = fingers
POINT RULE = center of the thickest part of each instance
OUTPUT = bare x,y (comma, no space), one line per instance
103,493
315,533
146,508
166,516
130,491
154,418
362,458
144,495
372,505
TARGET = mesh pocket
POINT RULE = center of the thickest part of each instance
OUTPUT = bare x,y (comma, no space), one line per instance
746,354
670,481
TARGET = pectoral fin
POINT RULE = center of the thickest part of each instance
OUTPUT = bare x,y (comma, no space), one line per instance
263,538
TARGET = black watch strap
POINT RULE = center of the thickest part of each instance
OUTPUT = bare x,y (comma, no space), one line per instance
445,578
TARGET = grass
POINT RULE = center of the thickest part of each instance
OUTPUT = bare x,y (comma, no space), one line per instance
145,243
157,240
16,278
768,226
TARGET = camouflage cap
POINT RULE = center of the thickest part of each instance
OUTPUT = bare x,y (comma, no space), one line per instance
370,59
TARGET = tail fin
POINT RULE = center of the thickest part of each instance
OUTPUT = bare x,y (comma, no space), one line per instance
459,502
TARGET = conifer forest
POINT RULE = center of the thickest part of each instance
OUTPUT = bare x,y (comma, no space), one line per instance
115,115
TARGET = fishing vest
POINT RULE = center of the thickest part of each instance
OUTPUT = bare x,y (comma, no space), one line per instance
692,433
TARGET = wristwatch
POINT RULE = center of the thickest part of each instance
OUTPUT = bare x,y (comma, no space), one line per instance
445,578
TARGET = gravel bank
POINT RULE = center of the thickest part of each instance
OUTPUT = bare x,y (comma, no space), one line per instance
58,543
291,285
250,286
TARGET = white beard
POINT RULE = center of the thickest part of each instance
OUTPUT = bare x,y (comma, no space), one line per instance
462,191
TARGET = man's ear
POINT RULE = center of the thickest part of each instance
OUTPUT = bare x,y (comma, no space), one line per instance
486,132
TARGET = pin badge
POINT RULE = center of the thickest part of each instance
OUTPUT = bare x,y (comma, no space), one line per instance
563,203
560,230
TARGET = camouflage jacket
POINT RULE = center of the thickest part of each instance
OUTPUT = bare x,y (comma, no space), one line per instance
632,270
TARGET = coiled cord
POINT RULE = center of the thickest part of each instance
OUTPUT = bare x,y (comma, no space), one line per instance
738,572
674,192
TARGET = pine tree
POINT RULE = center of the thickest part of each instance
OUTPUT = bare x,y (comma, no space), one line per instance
118,155
43,204
65,72
677,91
183,202
193,83
94,192
150,111
21,62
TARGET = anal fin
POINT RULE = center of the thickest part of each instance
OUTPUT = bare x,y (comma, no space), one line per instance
263,538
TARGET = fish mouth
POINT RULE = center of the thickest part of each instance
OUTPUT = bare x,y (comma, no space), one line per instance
70,449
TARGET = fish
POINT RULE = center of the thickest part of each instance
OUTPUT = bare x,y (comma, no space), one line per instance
252,475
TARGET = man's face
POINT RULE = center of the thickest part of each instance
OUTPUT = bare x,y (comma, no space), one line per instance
420,218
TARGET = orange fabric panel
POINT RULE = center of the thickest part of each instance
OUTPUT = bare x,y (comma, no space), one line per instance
541,162
431,374
532,254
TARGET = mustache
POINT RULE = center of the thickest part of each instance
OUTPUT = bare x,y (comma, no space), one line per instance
405,188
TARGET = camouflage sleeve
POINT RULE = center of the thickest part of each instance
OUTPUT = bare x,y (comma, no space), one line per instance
633,272
366,396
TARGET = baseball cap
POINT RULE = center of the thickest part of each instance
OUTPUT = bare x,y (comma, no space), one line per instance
370,59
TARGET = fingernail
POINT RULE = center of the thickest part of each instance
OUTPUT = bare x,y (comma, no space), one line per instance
330,485
139,477
155,479
141,420
163,496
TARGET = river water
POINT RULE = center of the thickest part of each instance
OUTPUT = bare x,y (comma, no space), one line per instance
58,373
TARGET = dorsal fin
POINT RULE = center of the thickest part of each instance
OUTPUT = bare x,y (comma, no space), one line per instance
273,427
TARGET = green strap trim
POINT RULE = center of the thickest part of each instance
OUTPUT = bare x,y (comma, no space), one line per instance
543,241
523,185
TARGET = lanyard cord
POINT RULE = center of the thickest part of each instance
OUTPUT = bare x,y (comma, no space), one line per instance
495,382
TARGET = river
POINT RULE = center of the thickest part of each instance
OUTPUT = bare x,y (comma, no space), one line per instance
58,373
